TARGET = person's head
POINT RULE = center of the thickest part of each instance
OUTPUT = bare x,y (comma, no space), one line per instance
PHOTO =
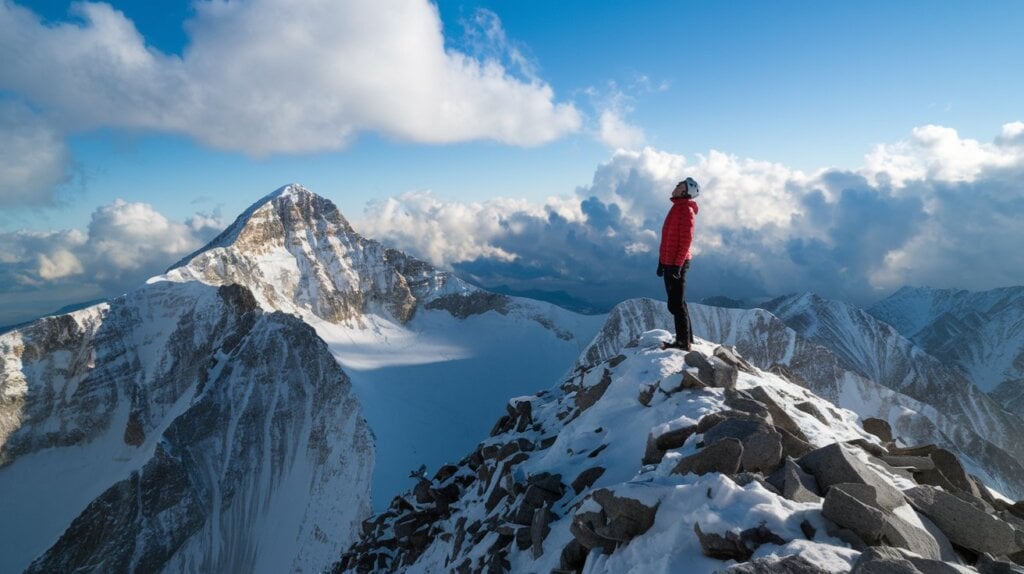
687,188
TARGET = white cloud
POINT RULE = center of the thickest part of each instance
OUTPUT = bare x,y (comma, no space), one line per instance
615,132
1013,134
939,153
267,76
125,237
936,210
34,159
59,264
125,244
613,105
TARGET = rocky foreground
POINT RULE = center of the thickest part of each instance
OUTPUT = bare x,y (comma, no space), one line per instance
662,461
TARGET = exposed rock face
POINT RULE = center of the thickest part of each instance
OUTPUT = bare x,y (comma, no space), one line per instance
733,546
296,252
762,444
965,524
836,464
723,456
182,422
475,303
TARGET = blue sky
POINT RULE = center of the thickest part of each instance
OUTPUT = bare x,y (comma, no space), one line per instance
796,100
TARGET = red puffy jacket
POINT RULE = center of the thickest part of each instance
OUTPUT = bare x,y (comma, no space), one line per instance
677,232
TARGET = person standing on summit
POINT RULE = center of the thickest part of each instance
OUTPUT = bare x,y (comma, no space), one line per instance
674,257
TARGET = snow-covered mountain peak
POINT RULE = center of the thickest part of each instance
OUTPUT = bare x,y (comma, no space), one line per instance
293,204
297,253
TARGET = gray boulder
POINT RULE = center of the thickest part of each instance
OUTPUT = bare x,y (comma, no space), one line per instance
889,560
854,506
709,420
725,375
705,370
880,428
762,444
675,438
809,408
883,560
733,358
964,523
584,528
539,530
733,546
780,418
586,397
586,479
798,486
793,445
914,463
833,464
849,507
657,445
722,456
625,518
771,565
652,454
691,382
737,400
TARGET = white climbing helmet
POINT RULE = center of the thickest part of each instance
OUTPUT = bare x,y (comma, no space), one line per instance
688,188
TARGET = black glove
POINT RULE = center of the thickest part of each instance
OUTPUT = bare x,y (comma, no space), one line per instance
677,272
661,269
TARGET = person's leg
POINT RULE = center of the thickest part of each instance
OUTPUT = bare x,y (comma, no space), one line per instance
677,306
684,331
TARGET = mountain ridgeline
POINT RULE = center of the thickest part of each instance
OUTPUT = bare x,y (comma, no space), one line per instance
259,406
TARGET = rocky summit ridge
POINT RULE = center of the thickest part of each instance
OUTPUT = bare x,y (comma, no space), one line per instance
649,460
773,345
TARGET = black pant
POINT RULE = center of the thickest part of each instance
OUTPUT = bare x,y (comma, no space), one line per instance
676,288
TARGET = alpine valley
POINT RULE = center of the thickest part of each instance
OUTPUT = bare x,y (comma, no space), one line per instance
294,397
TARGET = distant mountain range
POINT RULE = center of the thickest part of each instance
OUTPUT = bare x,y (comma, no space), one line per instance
980,334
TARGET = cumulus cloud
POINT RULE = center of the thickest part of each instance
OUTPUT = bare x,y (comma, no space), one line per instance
933,210
268,76
939,153
124,244
34,159
613,105
615,132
